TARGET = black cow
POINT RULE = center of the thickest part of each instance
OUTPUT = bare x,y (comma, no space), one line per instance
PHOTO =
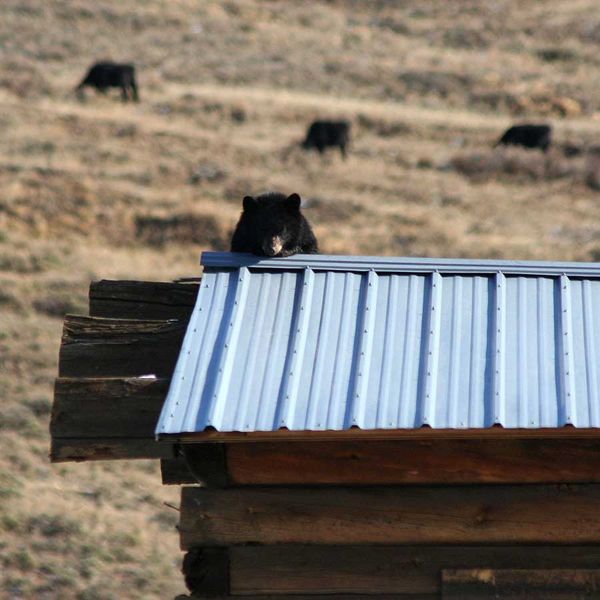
104,75
325,134
529,136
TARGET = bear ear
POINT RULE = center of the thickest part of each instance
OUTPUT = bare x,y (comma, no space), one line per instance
249,203
292,202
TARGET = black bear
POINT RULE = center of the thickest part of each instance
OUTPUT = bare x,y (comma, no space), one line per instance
529,136
325,134
272,225
104,75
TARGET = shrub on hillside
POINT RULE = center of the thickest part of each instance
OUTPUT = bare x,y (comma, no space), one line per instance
439,83
528,165
23,78
592,171
183,228
329,211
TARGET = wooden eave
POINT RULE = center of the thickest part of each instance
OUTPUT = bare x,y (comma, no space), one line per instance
115,368
354,434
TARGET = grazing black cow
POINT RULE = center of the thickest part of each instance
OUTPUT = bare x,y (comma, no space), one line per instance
529,136
104,75
324,134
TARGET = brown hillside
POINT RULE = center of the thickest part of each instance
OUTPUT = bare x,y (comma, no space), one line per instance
102,189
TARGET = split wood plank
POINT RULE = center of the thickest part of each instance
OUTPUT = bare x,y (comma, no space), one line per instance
107,419
99,347
84,449
287,569
520,584
142,299
97,407
415,461
388,462
501,514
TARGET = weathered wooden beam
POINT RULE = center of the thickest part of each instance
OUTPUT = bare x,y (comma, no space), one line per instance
142,299
98,347
175,471
202,464
520,584
533,514
102,419
415,461
84,449
368,571
206,571
95,415
97,407
385,462
284,570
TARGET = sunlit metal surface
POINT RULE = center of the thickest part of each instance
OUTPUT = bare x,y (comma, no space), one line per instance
394,344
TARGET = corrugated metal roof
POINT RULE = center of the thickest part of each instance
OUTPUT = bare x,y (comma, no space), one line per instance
330,342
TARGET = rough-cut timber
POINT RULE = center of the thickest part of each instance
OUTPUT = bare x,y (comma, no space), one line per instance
120,407
83,449
371,536
536,514
203,464
95,418
381,462
98,347
174,471
289,569
98,419
520,584
206,571
207,463
142,299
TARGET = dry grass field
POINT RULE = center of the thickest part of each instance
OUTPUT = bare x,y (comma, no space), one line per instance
103,189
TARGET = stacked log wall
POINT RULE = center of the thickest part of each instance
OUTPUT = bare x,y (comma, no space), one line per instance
115,367
420,518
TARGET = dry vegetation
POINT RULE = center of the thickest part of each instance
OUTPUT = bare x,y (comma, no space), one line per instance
102,189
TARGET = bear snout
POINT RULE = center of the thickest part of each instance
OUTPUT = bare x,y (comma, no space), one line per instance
272,246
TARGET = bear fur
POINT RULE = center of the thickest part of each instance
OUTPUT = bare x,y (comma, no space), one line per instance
272,225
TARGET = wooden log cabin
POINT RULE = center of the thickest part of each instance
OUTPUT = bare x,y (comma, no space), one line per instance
355,427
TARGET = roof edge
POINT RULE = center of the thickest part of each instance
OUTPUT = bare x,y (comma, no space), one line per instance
425,433
400,264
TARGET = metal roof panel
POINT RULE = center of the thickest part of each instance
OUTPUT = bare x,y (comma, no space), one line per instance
448,344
